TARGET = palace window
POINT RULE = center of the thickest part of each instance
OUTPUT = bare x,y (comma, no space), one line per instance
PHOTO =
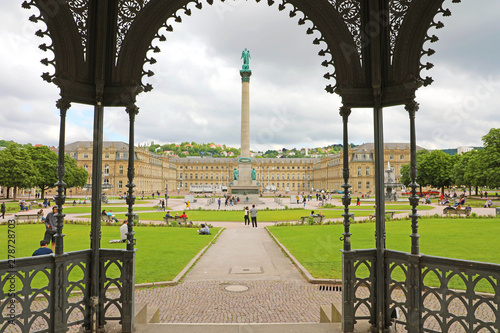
360,186
359,171
120,184
367,171
106,169
120,170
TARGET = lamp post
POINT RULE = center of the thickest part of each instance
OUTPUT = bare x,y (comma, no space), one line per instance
166,194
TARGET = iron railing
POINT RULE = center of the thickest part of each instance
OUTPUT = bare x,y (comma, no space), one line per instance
424,293
51,293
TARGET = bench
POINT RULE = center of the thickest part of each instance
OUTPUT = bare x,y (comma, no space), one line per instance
317,219
387,214
27,217
179,220
453,211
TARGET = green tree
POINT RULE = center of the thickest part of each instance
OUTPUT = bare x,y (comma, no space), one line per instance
45,162
74,176
422,178
465,170
16,168
436,168
488,160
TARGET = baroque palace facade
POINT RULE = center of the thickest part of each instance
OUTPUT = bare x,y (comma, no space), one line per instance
154,172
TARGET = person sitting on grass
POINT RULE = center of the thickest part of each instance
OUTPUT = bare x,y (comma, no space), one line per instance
204,230
183,215
168,215
43,249
123,231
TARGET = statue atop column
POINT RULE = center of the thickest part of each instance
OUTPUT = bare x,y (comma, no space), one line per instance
254,174
245,55
235,174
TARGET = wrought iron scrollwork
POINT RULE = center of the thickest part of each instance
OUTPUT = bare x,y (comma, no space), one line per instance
80,12
127,13
438,25
350,12
397,14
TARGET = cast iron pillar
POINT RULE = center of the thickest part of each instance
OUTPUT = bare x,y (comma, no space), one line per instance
128,321
412,108
95,229
346,198
414,281
348,271
63,105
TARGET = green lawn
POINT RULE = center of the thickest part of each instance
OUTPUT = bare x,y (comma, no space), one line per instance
318,247
161,252
238,216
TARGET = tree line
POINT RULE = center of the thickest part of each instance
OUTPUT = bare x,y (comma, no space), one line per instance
473,169
28,167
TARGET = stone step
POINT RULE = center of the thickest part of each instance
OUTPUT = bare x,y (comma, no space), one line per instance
239,328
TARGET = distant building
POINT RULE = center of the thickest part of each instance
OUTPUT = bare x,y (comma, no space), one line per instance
464,149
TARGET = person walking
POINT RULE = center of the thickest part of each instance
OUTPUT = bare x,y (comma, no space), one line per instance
218,202
2,209
253,216
51,228
247,219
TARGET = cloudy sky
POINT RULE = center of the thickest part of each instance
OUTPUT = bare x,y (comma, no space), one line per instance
197,87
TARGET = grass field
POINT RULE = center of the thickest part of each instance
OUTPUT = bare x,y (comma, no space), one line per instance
317,248
238,216
161,252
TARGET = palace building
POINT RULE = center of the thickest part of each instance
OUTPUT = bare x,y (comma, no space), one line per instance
156,172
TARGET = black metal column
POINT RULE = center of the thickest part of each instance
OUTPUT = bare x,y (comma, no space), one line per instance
380,220
414,277
346,198
95,231
60,198
348,272
128,321
412,108
60,300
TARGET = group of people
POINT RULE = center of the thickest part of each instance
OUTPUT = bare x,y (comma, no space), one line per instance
250,215
109,215
183,215
161,206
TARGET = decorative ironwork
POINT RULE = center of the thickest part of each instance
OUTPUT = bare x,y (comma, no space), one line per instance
62,300
350,12
80,11
127,13
438,25
447,295
397,14
46,76
346,198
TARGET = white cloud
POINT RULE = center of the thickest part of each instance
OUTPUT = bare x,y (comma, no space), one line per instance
197,87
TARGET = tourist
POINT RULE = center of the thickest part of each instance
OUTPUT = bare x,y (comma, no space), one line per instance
111,216
43,249
204,230
51,228
304,201
358,202
123,231
253,216
2,209
218,202
312,214
247,219
187,204
488,203
183,215
168,215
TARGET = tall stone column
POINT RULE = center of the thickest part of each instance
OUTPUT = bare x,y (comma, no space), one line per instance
245,112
